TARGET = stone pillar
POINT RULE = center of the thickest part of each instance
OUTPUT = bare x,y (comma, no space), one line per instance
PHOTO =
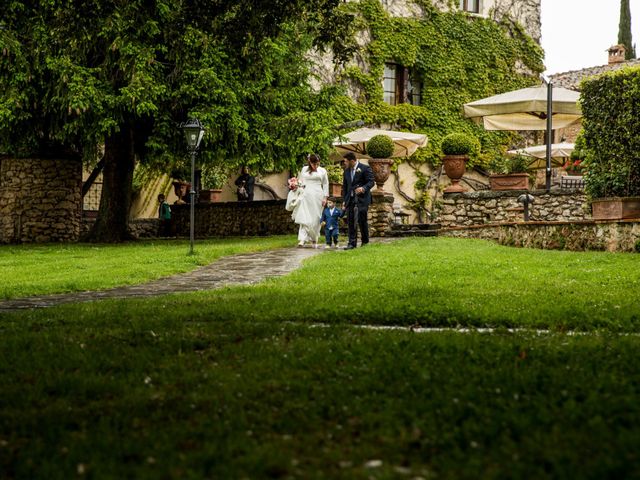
40,200
380,213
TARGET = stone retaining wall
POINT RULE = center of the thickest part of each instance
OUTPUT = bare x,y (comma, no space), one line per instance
266,217
613,236
40,200
482,207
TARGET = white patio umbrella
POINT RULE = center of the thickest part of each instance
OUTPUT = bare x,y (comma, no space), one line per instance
405,143
535,108
538,153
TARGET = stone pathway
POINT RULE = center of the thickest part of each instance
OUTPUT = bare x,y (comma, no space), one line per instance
239,269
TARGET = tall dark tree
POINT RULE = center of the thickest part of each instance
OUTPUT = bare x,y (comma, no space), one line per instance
122,74
624,30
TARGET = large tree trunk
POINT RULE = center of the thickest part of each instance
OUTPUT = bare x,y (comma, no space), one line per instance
112,224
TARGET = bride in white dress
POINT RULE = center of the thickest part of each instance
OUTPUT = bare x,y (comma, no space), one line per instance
308,212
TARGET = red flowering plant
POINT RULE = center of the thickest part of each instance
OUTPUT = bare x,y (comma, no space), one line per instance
573,167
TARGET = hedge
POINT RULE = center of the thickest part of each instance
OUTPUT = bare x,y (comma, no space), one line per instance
611,123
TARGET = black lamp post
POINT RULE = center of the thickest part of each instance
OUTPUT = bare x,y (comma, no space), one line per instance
193,132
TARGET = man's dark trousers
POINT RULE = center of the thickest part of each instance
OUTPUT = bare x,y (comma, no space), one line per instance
353,213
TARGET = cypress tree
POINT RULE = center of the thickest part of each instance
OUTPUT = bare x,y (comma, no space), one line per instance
624,30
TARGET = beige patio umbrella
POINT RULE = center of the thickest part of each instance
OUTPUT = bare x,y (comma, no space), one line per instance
405,143
525,109
538,153
534,108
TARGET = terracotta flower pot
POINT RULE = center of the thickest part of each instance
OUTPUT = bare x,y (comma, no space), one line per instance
335,189
512,181
209,196
615,208
454,167
381,170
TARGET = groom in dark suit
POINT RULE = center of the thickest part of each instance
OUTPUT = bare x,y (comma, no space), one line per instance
356,194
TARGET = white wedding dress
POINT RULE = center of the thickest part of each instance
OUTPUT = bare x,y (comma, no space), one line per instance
308,212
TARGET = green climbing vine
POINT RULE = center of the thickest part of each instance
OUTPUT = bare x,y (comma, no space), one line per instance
459,58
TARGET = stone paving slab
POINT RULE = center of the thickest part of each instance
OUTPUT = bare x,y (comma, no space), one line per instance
247,268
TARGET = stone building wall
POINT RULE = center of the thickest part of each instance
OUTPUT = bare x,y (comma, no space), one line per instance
612,236
482,207
40,200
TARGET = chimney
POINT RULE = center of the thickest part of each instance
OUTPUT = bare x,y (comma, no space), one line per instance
616,54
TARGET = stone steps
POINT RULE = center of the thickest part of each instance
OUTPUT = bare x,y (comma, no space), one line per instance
416,230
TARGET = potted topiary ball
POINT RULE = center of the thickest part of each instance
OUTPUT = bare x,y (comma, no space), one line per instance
456,148
380,148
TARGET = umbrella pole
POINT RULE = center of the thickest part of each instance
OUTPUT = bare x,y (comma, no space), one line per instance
549,132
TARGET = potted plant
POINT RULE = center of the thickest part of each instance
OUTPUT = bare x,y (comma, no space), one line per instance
335,173
380,149
181,185
213,178
574,165
510,173
456,148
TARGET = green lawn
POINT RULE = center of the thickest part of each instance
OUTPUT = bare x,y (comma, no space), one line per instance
244,382
41,269
426,282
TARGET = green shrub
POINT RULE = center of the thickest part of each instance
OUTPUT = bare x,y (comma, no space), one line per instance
610,122
459,144
504,165
518,164
380,146
335,172
214,176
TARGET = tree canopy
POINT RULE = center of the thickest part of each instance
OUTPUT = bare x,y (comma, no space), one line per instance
75,71
77,75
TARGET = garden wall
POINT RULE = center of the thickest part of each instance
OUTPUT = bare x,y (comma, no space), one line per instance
613,236
482,207
266,217
40,200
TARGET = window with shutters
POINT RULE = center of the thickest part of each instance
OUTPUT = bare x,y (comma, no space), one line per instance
401,85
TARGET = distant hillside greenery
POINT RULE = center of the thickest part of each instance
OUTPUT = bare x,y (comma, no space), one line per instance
460,58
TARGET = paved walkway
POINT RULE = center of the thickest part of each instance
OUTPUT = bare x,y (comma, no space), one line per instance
239,269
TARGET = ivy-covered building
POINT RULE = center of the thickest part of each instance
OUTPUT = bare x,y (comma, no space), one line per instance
416,62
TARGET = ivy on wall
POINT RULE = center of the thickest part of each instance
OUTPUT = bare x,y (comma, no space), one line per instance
459,57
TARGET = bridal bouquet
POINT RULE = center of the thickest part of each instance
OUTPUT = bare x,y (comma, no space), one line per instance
294,184
296,191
